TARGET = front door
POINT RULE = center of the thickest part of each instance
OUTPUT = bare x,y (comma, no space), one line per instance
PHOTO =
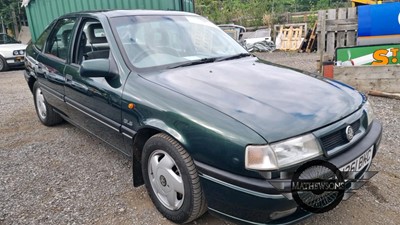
94,103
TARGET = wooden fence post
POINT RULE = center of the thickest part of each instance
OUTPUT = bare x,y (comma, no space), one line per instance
321,37
341,35
336,28
330,39
351,34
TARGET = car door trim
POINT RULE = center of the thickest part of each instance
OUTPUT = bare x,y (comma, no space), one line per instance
54,93
127,132
94,115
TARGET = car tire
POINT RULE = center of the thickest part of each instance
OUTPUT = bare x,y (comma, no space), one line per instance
172,180
44,110
3,64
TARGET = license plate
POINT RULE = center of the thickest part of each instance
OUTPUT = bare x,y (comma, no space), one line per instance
19,58
359,163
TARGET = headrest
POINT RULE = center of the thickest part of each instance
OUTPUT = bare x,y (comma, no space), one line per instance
92,35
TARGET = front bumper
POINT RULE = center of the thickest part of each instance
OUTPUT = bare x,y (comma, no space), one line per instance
17,61
255,201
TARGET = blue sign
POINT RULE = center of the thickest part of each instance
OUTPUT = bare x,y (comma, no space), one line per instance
379,20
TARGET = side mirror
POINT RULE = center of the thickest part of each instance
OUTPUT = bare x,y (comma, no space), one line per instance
95,68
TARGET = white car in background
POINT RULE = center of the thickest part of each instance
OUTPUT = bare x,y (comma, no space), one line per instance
11,52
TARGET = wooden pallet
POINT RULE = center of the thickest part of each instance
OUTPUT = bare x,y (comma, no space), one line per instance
336,28
312,45
291,38
304,44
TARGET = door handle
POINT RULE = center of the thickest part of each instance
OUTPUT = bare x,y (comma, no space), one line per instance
68,78
40,69
37,67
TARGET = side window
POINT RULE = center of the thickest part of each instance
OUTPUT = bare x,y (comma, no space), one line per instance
39,44
60,38
5,39
92,42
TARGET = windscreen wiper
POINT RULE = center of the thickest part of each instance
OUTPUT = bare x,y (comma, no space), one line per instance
237,56
194,62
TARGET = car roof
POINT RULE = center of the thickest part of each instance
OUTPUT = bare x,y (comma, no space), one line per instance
135,12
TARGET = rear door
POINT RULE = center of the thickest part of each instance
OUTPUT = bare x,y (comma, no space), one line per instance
50,63
94,103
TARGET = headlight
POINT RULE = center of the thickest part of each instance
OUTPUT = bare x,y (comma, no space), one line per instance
369,111
282,154
18,52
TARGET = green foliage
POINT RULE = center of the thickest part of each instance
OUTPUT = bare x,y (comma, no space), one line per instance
6,7
238,11
251,12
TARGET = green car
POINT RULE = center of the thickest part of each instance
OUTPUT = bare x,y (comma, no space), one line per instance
207,125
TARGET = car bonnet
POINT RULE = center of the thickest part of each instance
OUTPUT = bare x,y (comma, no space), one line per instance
276,102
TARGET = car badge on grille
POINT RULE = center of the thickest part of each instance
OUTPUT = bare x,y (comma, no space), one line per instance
349,133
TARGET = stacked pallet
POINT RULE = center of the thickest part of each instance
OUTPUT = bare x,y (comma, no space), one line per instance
309,43
290,37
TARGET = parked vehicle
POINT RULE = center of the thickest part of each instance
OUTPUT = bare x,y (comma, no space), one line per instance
235,31
11,52
206,124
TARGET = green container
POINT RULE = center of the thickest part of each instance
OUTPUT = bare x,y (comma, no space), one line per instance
41,13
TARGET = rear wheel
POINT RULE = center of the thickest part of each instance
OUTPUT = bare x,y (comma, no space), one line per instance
3,64
44,110
171,179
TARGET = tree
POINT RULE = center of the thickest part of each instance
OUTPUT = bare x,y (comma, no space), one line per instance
6,9
251,12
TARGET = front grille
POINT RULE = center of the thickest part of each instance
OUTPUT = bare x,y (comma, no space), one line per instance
338,137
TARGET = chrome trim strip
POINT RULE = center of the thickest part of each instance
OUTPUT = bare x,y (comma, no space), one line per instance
244,190
255,223
129,133
71,103
235,218
50,91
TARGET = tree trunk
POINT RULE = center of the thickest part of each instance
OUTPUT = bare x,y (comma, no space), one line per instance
15,23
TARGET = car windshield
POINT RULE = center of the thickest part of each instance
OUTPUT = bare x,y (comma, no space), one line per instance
173,41
5,39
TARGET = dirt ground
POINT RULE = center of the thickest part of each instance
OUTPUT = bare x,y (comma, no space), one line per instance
62,175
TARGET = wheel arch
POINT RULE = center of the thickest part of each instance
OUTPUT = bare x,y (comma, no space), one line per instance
5,66
140,139
31,82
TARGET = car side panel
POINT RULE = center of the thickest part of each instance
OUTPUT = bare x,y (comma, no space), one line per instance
209,136
95,105
49,71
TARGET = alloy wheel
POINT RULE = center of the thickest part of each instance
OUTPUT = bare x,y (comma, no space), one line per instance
166,180
41,104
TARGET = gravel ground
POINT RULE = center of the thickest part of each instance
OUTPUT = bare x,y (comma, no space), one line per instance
62,175
304,61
